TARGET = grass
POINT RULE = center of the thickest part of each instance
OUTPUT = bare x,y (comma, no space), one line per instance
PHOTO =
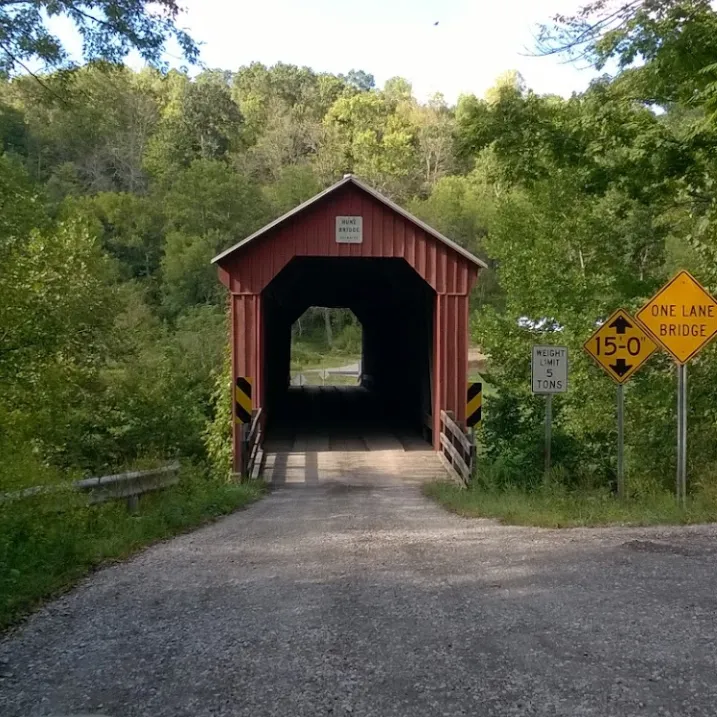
308,362
562,508
48,543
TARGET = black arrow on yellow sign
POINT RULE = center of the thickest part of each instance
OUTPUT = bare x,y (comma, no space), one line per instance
621,324
620,367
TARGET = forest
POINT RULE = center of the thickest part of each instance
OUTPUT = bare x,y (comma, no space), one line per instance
118,187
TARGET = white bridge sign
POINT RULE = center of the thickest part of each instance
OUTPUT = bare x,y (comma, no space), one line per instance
550,369
349,230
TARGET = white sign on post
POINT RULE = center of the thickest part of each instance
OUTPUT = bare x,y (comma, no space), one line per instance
349,230
550,369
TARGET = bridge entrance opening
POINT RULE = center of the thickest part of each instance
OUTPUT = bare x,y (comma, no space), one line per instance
326,348
381,395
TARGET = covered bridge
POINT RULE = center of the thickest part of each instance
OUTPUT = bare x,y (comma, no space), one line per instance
407,284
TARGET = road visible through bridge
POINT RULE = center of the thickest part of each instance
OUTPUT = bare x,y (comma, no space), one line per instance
367,599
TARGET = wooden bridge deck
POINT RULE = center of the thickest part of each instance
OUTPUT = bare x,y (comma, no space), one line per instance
344,435
352,468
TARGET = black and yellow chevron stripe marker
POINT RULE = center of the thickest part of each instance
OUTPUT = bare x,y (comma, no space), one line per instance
474,404
242,400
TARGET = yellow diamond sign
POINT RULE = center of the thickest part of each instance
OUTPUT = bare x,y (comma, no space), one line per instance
682,317
620,346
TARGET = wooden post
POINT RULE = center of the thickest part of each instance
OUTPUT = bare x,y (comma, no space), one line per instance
474,450
243,457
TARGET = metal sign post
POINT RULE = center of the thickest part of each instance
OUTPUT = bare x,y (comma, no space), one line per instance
682,318
682,434
621,441
548,430
620,346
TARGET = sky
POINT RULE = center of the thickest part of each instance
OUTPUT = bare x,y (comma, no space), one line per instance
473,43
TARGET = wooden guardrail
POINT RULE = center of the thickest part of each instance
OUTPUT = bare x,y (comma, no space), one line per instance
252,452
128,485
457,449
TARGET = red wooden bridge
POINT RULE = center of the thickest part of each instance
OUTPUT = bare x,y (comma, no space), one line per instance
408,285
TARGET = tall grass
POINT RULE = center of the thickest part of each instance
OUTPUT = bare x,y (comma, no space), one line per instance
48,542
552,506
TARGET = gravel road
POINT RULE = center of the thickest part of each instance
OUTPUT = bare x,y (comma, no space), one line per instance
370,600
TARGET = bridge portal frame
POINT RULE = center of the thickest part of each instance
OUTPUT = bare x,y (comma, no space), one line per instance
388,231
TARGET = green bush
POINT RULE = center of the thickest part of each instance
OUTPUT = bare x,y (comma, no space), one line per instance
512,442
48,542
348,341
218,431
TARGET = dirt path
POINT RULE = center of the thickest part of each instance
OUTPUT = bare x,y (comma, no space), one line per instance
346,599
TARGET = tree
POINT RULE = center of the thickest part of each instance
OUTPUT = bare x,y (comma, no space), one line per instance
665,48
464,209
507,83
199,120
263,93
131,227
110,29
283,107
208,207
600,134
374,140
13,133
435,139
288,138
99,139
57,302
597,199
665,51
362,81
397,90
293,186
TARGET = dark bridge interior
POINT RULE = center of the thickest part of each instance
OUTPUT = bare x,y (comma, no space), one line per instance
395,308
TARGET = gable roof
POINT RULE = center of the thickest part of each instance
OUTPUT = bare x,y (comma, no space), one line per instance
350,179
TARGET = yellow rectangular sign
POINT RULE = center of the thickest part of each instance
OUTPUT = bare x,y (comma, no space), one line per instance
682,317
620,346
243,404
474,404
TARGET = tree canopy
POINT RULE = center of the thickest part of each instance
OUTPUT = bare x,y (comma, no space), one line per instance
110,29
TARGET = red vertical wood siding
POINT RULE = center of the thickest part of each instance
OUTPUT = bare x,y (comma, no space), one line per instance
248,271
247,352
450,358
312,233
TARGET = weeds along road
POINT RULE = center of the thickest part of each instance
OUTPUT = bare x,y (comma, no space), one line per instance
371,600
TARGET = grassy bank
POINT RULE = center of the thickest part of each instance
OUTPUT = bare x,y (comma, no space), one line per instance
312,361
562,508
47,543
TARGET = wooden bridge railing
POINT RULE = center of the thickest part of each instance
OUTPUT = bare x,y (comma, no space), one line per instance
458,449
252,453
